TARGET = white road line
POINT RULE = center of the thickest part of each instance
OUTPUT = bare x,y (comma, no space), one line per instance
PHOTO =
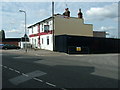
5,66
24,74
50,84
38,79
33,78
11,69
17,71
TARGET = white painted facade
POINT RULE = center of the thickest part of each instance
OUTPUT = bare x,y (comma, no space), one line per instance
22,44
40,35
45,44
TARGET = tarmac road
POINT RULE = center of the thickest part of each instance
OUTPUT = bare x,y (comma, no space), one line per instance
58,70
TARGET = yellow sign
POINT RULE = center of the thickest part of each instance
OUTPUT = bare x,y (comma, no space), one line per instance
78,48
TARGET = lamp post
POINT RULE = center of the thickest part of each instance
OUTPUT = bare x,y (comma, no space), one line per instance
25,30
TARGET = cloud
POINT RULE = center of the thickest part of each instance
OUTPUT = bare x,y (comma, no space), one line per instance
111,31
101,13
42,13
29,25
13,31
13,21
106,28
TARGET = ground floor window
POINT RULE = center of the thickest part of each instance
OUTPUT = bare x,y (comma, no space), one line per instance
47,40
42,40
35,43
39,41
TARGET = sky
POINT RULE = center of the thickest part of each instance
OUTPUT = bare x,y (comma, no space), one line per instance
103,15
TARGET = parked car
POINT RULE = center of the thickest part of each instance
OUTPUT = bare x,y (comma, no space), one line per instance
8,46
1,46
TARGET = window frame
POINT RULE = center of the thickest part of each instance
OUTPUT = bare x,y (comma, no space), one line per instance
48,27
48,40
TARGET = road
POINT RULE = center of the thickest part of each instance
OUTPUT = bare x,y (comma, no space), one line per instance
64,72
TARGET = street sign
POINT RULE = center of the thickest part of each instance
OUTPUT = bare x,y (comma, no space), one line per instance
78,48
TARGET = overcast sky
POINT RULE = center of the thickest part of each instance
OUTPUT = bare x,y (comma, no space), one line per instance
103,15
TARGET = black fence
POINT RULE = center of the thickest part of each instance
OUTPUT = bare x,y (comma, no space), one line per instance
80,44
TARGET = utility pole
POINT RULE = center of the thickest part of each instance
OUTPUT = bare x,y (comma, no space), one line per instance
53,25
25,30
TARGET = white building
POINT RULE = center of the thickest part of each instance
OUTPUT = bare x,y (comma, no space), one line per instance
41,33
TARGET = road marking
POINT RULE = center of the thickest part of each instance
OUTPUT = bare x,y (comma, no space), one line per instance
37,79
22,78
5,66
24,74
11,69
50,84
17,71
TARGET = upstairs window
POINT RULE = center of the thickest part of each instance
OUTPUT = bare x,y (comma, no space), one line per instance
38,28
42,27
47,23
46,28
32,29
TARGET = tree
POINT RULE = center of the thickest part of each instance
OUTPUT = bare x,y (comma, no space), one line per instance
2,34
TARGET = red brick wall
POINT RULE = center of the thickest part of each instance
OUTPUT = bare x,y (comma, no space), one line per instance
12,43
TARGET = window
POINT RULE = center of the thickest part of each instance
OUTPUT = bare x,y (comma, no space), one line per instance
47,23
32,29
46,28
42,40
38,28
39,40
42,27
47,40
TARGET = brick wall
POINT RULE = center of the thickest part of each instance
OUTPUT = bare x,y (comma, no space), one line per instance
12,43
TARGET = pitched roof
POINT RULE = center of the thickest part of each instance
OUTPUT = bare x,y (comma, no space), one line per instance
40,22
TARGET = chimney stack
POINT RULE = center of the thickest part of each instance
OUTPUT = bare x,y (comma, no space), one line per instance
67,12
80,15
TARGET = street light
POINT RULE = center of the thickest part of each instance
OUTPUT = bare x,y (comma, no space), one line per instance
25,30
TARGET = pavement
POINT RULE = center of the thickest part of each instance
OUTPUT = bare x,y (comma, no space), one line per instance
41,52
38,52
